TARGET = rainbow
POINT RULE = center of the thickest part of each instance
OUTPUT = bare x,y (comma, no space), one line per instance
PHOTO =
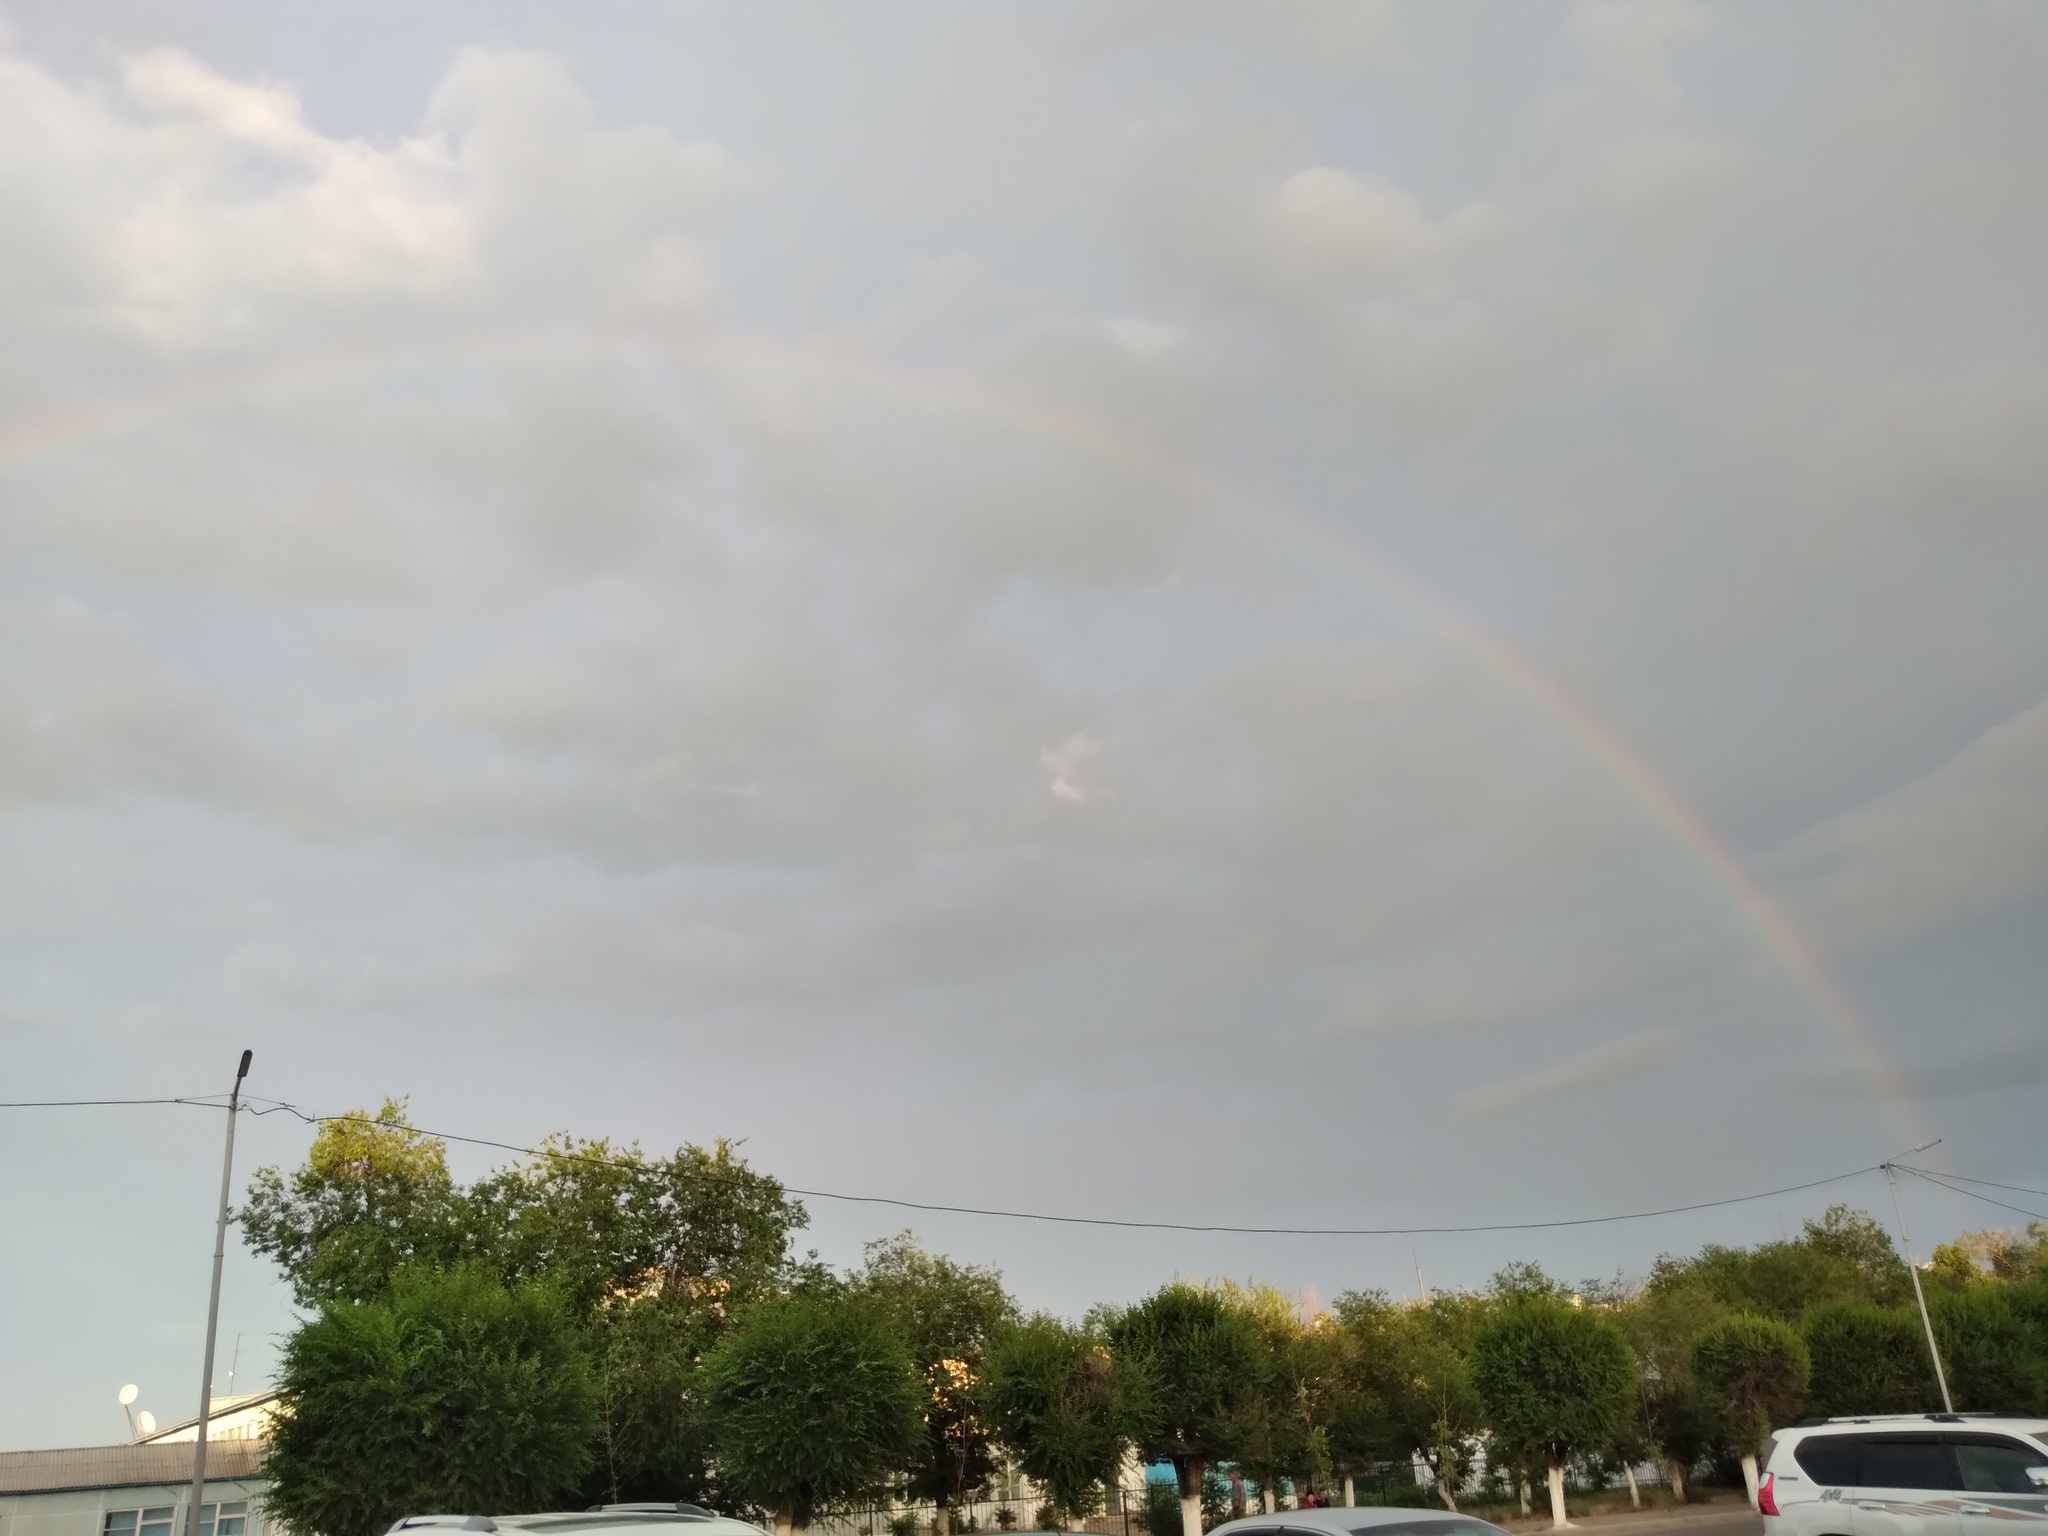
89,426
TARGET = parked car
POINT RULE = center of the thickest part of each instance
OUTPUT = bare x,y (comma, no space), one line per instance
1937,1474
1374,1520
604,1520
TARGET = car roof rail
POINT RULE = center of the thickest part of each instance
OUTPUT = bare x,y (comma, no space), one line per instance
444,1522
687,1511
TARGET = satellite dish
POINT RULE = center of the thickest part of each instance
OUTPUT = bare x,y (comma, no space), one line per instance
129,1393
146,1422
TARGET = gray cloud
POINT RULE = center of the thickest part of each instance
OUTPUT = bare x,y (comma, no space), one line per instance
1618,1061
695,594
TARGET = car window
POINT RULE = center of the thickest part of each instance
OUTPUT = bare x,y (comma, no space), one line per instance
1829,1460
1993,1464
1907,1461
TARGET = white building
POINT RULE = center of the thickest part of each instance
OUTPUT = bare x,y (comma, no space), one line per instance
132,1490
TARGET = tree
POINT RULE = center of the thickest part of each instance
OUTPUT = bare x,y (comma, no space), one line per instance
1993,1349
810,1402
1274,1428
653,1444
1845,1256
1192,1363
1556,1379
447,1392
607,1222
949,1314
1054,1402
1755,1369
374,1196
1867,1360
1431,1405
1348,1382
1660,1325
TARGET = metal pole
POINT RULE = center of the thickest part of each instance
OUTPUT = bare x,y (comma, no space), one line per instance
1913,1269
220,1246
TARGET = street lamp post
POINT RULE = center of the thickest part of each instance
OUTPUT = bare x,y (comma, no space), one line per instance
1913,1269
220,1245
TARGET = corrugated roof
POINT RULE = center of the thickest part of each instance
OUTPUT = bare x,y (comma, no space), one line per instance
124,1466
222,1407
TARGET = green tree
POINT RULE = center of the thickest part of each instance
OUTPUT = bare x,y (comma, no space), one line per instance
1191,1365
1348,1386
1421,1359
608,1222
1274,1429
374,1196
1867,1360
1755,1370
447,1392
653,1444
1054,1401
810,1402
1993,1349
1660,1325
949,1314
1845,1256
1556,1380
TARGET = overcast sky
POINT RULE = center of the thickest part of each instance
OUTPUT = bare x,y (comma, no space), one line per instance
1283,614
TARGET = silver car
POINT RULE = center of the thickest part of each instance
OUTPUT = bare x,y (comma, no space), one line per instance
1377,1520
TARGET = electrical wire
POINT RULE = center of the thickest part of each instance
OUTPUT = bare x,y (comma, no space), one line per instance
2015,1189
277,1106
1957,1189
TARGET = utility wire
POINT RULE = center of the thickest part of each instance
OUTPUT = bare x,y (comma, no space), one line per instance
279,1105
2017,1189
1957,1189
201,1100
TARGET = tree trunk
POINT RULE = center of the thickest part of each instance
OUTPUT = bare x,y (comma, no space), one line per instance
1522,1488
1749,1478
942,1519
1266,1495
1350,1493
785,1521
1635,1497
1677,1475
1443,1491
1557,1519
1190,1498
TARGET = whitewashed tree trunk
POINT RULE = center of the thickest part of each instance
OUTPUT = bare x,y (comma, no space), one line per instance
942,1521
1522,1488
1749,1478
1443,1491
1557,1519
1265,1497
1350,1493
785,1521
1635,1497
1191,1511
1677,1474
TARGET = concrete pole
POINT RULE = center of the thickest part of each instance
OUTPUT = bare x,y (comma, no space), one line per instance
1913,1269
220,1245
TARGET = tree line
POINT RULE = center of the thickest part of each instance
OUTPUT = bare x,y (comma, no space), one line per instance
594,1325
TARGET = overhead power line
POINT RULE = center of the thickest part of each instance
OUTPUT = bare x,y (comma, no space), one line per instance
1957,1189
2016,1189
280,1106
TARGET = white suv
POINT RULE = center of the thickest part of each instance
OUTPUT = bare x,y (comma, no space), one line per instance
1936,1474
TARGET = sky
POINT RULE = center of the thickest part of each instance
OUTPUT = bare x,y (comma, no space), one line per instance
1285,614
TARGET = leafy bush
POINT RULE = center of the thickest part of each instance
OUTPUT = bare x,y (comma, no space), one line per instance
813,1400
1756,1369
1867,1360
1992,1350
449,1392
